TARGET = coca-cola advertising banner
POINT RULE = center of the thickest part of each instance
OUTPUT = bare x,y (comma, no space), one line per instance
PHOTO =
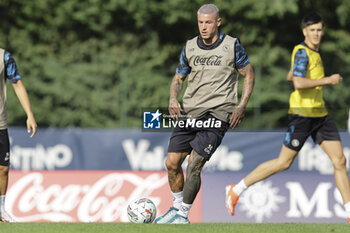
102,196
87,196
87,149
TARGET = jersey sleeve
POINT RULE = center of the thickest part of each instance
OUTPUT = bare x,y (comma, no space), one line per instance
183,68
11,70
241,57
301,61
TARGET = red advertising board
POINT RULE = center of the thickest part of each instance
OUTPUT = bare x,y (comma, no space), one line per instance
87,196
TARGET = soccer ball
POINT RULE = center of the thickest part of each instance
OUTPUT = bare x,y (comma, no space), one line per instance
142,210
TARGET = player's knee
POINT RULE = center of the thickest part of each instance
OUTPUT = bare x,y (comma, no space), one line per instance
283,165
195,167
193,174
170,165
339,162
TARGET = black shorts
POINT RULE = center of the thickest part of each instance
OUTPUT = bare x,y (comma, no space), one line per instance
4,148
203,140
300,128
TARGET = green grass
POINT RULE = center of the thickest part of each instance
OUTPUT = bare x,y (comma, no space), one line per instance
153,228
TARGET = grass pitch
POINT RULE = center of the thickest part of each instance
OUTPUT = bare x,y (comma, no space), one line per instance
154,228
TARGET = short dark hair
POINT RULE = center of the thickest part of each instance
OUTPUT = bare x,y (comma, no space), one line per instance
310,19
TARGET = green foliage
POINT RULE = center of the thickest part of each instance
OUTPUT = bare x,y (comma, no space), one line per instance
98,63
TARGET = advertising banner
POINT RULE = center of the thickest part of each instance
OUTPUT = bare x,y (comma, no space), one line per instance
283,197
102,196
86,196
84,149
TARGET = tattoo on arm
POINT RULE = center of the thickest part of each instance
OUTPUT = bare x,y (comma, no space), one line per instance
248,73
176,87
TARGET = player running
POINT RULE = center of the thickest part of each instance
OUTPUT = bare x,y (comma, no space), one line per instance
307,117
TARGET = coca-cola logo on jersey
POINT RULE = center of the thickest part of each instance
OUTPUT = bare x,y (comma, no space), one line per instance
213,60
42,196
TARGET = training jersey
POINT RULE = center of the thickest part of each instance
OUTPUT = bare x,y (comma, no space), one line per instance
8,70
307,63
213,80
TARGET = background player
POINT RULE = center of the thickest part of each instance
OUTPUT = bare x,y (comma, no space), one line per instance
307,117
8,70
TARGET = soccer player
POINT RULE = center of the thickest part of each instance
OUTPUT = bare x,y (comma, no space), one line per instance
307,117
211,60
8,70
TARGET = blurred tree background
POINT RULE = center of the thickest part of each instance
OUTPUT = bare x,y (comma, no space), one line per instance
98,63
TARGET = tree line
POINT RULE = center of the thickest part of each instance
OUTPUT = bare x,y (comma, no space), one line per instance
99,63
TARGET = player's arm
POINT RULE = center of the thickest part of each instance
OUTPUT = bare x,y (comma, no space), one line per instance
300,67
289,76
238,113
22,95
175,90
11,73
305,83
182,70
244,67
